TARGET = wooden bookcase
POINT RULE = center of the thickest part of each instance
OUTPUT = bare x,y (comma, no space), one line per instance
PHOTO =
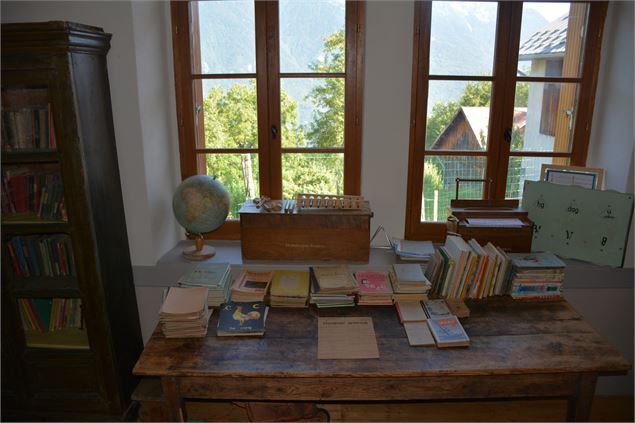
70,325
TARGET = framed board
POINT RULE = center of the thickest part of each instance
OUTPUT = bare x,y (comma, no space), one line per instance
578,222
586,177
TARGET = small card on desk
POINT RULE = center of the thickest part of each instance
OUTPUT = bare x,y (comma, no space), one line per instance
346,338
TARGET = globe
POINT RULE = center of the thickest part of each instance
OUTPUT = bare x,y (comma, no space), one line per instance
200,204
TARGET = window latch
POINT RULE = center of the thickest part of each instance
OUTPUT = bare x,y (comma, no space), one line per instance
274,131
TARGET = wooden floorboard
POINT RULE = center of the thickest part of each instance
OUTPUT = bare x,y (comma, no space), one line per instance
605,409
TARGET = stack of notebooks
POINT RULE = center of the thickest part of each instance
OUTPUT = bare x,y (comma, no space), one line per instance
184,313
242,319
409,283
289,289
445,327
462,270
251,286
374,288
214,276
332,286
414,321
413,250
536,276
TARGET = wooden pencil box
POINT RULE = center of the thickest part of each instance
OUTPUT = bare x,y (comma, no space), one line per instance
305,235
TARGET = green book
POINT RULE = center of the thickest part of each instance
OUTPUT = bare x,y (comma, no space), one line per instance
211,275
42,308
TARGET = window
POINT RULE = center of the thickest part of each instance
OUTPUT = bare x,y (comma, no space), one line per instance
269,96
498,89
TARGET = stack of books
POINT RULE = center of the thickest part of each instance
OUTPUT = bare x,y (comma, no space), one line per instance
242,319
289,289
374,288
536,276
445,327
462,270
214,276
332,286
251,286
184,313
409,283
413,250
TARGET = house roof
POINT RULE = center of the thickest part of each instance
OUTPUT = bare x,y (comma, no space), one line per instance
478,121
549,41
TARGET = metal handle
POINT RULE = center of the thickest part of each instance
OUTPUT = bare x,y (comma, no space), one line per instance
508,135
274,131
489,181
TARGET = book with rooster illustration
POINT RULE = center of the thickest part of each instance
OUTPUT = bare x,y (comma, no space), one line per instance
246,318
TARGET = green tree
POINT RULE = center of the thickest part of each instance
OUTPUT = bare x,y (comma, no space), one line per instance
477,94
231,121
327,127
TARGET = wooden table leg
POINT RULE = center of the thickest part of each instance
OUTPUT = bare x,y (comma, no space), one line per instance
579,405
173,399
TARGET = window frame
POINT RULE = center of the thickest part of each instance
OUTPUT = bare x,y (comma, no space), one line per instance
267,75
504,78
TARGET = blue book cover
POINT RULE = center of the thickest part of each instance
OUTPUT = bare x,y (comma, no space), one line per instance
242,318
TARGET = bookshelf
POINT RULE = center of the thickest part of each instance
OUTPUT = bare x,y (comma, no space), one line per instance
70,325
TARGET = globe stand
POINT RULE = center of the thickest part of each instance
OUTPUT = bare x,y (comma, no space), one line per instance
201,251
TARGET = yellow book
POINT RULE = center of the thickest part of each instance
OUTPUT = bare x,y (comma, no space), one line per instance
289,283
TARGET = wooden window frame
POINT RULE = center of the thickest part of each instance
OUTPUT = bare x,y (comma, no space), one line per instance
267,77
504,80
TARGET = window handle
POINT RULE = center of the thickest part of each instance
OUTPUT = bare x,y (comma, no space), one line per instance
274,131
508,135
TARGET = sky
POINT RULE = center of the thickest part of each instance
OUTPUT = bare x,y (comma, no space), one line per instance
550,11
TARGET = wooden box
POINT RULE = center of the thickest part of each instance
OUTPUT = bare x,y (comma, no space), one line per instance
305,235
514,238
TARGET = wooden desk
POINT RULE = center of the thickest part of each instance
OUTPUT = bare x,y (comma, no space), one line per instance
517,350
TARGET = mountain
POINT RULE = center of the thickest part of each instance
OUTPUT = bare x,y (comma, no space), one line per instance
462,43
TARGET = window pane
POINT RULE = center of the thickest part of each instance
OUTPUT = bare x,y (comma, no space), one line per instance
552,39
239,174
312,112
439,183
226,38
228,113
318,173
462,38
523,169
458,115
544,116
312,36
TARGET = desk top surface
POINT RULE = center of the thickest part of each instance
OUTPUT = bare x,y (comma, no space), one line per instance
506,337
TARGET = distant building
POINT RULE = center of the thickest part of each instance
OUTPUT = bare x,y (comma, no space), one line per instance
468,131
552,51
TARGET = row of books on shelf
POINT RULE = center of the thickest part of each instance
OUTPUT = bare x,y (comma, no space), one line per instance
463,269
28,129
33,190
51,314
41,255
324,286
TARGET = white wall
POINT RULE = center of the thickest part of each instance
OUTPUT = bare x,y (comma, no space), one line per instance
142,92
386,121
612,136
